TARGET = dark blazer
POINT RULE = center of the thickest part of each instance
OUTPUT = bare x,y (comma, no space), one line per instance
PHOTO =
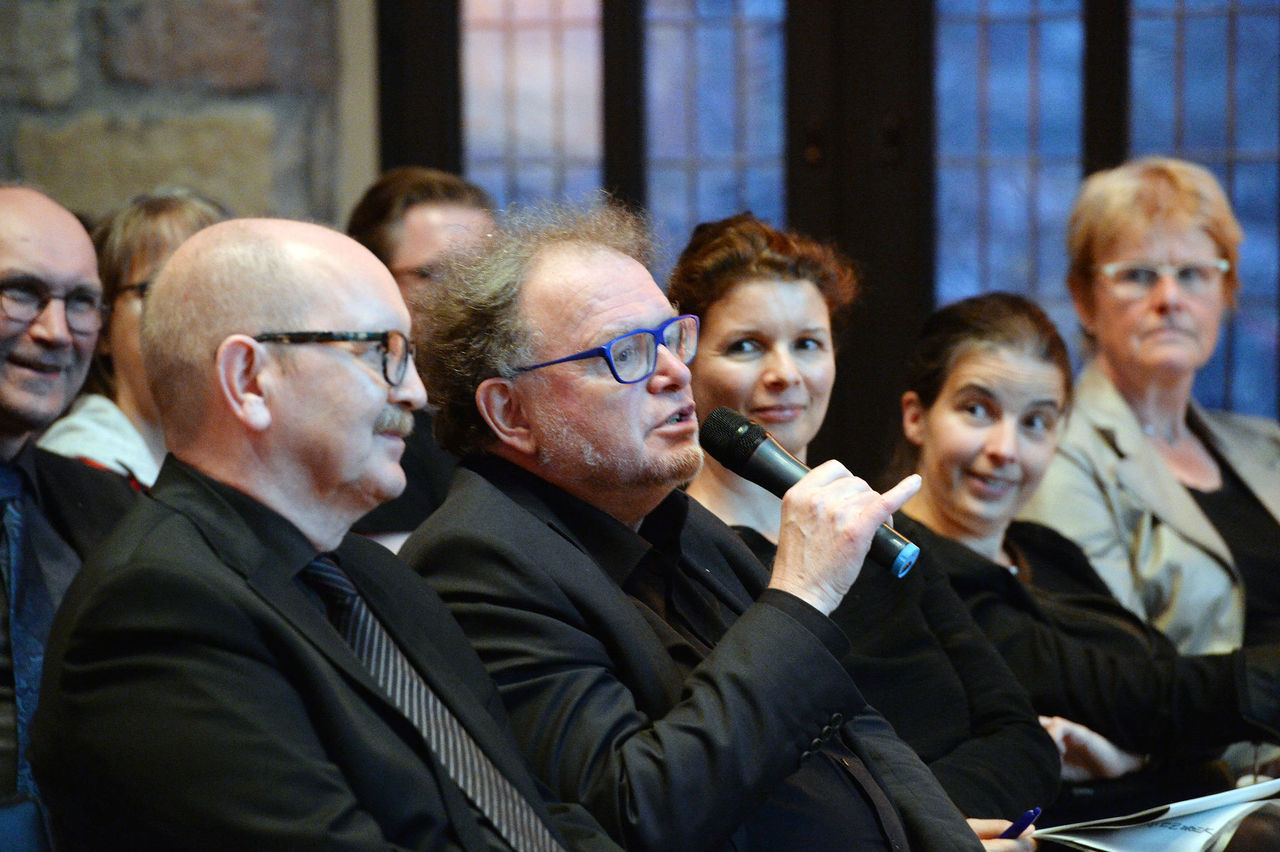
197,697
1085,657
921,661
665,761
76,505
81,503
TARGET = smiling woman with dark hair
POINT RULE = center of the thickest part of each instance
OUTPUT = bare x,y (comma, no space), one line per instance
988,389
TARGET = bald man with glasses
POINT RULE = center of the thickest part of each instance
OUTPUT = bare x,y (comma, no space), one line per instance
234,669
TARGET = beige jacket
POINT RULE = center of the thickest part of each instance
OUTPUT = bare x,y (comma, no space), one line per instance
1109,491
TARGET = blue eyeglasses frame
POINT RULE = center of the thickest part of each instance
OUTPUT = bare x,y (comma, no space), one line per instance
605,351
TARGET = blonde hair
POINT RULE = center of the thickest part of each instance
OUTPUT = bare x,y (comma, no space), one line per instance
1142,194
143,232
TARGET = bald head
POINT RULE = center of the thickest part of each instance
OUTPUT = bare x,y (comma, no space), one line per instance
46,259
243,276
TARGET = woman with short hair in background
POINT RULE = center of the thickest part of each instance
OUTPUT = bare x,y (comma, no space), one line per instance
114,423
1176,507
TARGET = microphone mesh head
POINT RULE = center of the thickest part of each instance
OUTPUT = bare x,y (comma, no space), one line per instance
731,438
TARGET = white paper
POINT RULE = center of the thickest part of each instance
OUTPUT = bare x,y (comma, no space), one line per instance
1186,826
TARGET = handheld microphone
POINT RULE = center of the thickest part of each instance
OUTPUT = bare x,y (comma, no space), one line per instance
746,448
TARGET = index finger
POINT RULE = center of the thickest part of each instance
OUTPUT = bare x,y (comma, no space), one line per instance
899,494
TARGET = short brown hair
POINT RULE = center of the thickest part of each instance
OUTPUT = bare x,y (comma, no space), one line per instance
381,209
1141,194
723,254
474,328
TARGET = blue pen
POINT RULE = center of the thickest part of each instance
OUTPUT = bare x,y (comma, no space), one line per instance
1020,824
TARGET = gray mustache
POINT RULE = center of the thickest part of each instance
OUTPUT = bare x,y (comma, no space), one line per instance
394,420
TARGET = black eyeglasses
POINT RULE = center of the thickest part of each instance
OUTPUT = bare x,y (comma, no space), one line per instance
140,288
632,357
394,345
23,302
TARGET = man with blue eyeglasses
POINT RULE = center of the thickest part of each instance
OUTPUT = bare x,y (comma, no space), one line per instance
655,671
53,509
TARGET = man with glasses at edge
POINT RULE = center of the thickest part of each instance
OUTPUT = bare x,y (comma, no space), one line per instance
653,669
234,669
54,509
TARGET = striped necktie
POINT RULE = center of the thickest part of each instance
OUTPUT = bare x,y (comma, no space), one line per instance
484,785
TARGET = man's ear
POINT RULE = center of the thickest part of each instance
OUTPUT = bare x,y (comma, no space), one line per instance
913,418
502,407
239,362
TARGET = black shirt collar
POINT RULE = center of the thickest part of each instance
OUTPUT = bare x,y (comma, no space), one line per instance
273,531
611,544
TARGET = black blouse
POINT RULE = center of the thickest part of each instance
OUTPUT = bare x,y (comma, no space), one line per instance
1253,537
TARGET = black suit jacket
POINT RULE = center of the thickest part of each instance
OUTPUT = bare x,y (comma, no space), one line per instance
81,502
70,507
922,662
196,695
608,718
1083,656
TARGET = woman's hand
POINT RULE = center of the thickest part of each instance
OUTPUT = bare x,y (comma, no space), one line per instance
1086,754
989,831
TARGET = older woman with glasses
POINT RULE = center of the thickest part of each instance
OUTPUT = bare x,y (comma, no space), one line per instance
114,423
1177,508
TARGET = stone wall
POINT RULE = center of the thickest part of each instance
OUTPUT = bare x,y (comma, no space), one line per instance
101,99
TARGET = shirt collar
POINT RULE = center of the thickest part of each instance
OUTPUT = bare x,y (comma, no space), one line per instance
273,531
611,544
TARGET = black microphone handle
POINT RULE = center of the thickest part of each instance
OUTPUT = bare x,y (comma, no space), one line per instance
776,470
746,448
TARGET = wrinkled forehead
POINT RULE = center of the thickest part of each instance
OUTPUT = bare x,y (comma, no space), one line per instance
590,293
41,238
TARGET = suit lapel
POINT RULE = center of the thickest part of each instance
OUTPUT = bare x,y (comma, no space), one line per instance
1139,469
658,680
238,545
242,548
1254,457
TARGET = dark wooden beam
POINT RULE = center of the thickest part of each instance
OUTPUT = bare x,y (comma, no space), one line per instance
419,83
624,111
1105,124
860,168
